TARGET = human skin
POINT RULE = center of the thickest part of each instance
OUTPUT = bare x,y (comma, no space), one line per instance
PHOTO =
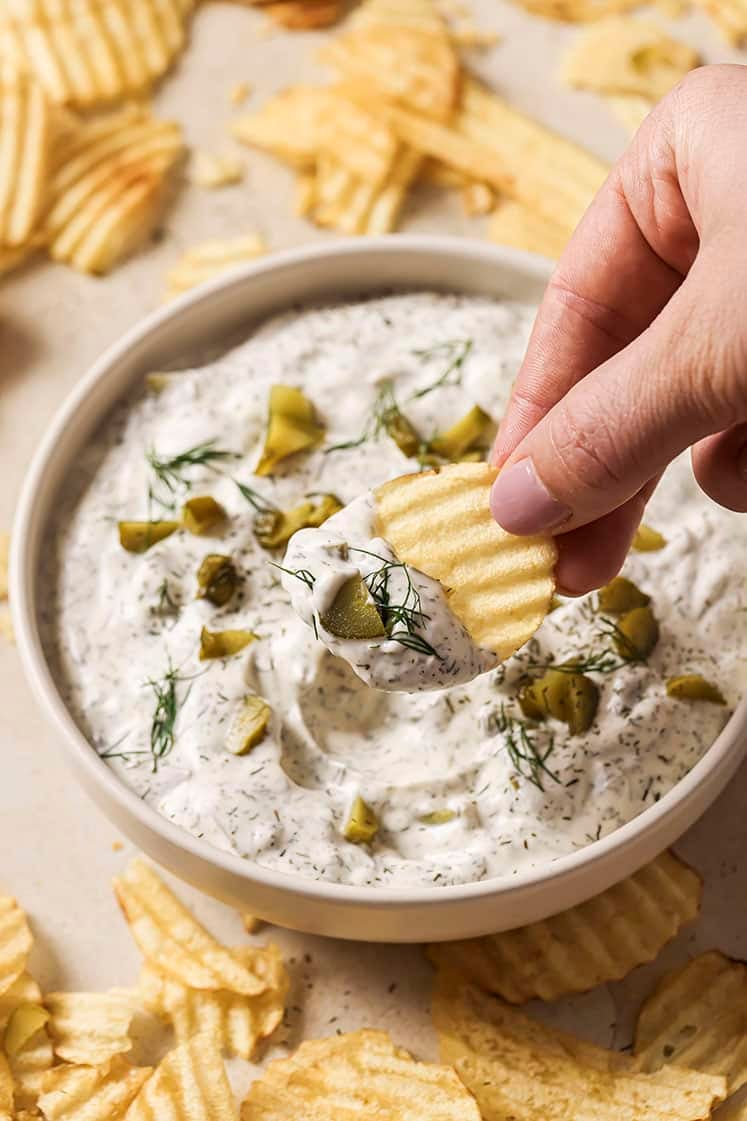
639,349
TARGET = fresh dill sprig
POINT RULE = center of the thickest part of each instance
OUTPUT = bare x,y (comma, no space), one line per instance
254,498
166,605
301,574
455,352
172,472
528,759
163,721
402,620
603,660
385,416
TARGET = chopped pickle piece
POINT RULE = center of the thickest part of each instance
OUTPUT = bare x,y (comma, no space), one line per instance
362,824
292,427
648,540
249,725
217,579
401,430
223,644
457,442
637,634
570,697
693,687
201,514
159,380
137,537
621,595
353,613
437,817
25,1021
274,528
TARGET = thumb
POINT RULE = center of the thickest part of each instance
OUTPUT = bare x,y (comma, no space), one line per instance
623,423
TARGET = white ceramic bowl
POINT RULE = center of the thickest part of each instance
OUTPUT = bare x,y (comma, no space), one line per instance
345,269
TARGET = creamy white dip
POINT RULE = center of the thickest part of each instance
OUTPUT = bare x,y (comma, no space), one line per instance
116,621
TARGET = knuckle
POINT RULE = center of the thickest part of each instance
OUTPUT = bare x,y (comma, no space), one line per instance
585,443
610,322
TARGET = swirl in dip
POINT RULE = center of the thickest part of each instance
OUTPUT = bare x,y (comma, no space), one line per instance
461,785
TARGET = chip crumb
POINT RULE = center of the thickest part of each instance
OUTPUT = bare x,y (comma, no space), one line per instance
212,171
471,37
478,199
6,626
251,923
117,846
239,92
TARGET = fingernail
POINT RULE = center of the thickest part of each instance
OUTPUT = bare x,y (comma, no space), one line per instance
521,503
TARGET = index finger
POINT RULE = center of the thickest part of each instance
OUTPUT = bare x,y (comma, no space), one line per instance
625,260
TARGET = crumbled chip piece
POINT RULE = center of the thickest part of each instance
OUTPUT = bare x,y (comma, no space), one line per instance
234,1021
358,1074
697,1017
90,1028
85,1093
304,15
519,1069
628,56
210,259
439,522
287,125
94,51
592,944
478,199
211,171
239,92
171,939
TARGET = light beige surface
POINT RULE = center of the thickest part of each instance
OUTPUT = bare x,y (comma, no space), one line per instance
55,850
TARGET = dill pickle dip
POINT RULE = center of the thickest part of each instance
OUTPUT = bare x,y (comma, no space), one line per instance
271,746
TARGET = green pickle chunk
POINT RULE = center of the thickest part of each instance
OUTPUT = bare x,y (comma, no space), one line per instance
274,528
362,824
621,595
458,442
293,426
137,537
201,514
693,687
249,725
570,697
401,430
437,817
353,613
648,540
217,579
223,644
581,703
637,634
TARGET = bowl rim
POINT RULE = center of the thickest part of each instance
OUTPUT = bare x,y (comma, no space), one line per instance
23,575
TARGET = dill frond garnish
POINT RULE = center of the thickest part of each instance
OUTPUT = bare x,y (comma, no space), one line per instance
604,660
404,618
172,473
528,759
163,721
257,501
455,353
165,605
386,416
301,574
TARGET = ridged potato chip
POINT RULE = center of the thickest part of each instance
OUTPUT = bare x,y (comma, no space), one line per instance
520,1070
24,990
358,139
236,1022
92,51
15,942
27,1043
304,15
697,1017
439,522
519,226
90,1028
85,1093
628,56
6,1090
343,202
592,944
287,125
108,185
361,1074
189,1084
171,939
730,16
210,259
25,147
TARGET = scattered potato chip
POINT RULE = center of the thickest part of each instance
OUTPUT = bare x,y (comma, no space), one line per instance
697,1017
730,16
251,923
23,1024
189,1084
287,125
171,939
628,56
630,110
500,586
345,203
441,175
209,260
592,944
520,227
108,187
11,258
235,1022
24,990
358,1074
84,1093
92,51
6,1090
518,1069
4,550
32,1055
25,147
357,139
212,171
304,15
90,1028
478,199
15,942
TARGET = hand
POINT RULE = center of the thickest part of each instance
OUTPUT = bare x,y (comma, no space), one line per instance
639,349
